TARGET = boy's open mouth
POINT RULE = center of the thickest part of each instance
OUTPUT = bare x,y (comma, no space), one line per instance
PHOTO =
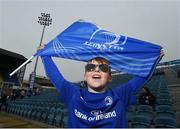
96,77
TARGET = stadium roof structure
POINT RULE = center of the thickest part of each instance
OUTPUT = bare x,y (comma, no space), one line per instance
10,60
172,62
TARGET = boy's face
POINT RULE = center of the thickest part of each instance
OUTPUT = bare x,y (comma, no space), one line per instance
97,78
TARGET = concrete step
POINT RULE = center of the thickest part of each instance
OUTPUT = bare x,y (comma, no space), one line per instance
13,121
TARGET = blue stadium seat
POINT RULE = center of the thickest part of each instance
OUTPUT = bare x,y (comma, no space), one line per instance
140,121
130,115
25,112
45,113
163,108
34,113
163,102
130,112
131,108
165,122
31,112
163,96
22,110
144,108
39,113
147,114
51,116
167,113
65,118
58,118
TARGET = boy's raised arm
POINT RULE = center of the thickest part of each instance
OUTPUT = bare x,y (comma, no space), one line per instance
64,87
52,72
138,82
131,88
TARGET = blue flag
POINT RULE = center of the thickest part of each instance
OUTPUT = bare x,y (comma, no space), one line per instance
83,41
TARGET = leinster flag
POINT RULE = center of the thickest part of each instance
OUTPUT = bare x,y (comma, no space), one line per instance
83,41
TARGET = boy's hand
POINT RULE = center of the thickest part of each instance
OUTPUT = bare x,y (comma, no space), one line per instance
41,47
161,53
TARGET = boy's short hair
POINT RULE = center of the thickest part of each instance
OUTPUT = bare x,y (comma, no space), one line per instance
101,60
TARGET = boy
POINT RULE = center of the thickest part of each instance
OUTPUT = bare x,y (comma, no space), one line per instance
94,106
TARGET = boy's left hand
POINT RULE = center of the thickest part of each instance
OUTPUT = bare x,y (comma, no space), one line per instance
161,53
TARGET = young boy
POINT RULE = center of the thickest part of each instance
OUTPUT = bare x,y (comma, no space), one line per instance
94,106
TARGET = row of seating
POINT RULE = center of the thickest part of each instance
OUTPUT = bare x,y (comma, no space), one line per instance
161,115
51,114
145,116
43,108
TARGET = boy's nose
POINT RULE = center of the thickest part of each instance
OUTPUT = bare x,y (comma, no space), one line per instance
97,69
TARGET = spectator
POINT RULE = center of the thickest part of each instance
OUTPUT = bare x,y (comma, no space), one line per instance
13,96
22,94
3,101
37,91
146,97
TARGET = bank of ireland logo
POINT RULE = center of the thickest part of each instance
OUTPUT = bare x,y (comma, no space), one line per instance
103,40
96,112
108,100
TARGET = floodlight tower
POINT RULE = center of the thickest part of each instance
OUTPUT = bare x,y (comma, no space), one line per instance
44,20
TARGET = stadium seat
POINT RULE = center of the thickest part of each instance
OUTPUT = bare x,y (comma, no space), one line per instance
131,108
64,120
51,116
25,112
165,122
140,121
58,118
34,113
144,108
31,112
166,113
45,113
163,102
39,113
25,108
130,115
147,114
163,96
162,108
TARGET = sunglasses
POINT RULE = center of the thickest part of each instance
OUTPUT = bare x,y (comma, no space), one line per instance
102,67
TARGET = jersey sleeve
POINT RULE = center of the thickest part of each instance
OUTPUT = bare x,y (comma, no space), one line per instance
127,92
64,87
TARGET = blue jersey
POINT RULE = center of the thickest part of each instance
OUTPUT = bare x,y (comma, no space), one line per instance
99,110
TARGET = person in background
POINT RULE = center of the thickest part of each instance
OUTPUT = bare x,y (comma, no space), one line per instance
3,102
146,97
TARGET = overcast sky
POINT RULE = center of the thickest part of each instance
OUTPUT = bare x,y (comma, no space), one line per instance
156,21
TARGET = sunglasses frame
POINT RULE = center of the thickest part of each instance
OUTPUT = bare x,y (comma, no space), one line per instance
99,66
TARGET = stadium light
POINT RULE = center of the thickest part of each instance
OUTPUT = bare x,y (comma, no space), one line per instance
44,20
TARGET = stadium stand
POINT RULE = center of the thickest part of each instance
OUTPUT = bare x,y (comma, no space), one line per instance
47,109
9,62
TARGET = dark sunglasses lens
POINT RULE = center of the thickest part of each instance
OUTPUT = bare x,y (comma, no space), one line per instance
90,67
104,67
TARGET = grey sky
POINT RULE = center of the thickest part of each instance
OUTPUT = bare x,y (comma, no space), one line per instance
156,21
